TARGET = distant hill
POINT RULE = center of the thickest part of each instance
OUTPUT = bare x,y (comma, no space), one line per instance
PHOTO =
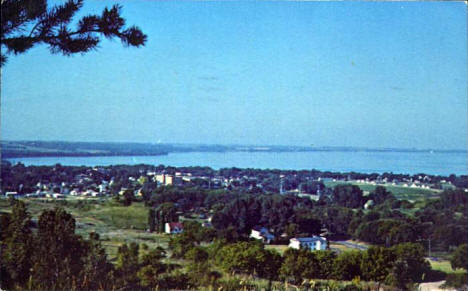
16,149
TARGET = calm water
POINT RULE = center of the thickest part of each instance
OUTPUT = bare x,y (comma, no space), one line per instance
364,162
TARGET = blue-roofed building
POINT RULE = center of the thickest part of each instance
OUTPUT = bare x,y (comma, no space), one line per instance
314,243
262,234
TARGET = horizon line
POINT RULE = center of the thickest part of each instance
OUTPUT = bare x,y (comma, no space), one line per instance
311,146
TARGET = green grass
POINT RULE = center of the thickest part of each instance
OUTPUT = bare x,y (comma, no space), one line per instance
400,192
444,266
131,217
279,248
115,224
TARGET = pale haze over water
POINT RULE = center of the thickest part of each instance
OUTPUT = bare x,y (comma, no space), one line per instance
363,162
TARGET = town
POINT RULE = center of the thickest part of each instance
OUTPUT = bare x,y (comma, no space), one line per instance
108,181
233,219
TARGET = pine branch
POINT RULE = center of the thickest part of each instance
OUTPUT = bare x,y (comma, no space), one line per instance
51,27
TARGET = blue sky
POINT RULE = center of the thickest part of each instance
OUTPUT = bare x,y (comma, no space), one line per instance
290,73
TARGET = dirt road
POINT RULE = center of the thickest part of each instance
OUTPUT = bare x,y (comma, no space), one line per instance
433,286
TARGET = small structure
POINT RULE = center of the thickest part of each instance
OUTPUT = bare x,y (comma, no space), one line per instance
314,243
173,227
164,179
262,234
12,194
58,196
207,224
369,204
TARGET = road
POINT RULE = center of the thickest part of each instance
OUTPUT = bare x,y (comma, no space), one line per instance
433,286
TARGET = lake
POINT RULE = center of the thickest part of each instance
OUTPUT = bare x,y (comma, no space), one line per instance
364,162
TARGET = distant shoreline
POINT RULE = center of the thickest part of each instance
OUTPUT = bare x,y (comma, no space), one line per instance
36,149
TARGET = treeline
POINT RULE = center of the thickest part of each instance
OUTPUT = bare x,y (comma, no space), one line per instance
391,221
401,265
50,256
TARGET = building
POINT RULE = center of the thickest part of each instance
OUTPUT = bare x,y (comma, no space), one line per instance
173,227
314,243
164,179
369,204
262,234
13,195
58,196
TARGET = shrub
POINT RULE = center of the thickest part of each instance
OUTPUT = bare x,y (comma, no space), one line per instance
456,280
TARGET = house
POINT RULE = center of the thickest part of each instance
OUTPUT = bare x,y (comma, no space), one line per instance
173,227
369,204
314,243
262,234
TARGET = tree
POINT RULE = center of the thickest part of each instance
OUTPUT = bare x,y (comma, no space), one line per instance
348,195
59,252
459,257
410,265
127,266
376,263
96,269
165,212
26,23
325,260
128,197
198,269
245,257
16,250
151,219
181,244
197,254
380,194
298,265
152,268
347,265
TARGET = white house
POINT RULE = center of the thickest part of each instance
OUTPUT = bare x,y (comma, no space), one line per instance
262,234
369,204
314,243
173,227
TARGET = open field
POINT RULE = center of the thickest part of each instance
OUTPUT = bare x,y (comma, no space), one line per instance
279,248
115,224
400,192
444,266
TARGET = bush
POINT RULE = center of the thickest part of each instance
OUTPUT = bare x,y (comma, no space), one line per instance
232,284
456,280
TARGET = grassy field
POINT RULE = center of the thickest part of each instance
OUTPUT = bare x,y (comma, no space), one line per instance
444,266
279,248
400,192
115,224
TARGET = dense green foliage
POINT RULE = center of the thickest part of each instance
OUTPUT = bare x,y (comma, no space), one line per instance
27,23
55,258
48,254
459,257
457,280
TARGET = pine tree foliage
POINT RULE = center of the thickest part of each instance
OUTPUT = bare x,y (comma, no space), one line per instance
26,23
16,250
